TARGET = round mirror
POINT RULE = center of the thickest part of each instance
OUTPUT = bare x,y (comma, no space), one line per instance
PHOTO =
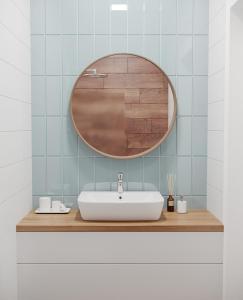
123,106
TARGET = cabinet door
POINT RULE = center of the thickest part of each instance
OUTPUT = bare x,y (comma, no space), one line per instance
120,281
120,247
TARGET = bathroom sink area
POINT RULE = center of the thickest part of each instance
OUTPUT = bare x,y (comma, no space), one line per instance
126,206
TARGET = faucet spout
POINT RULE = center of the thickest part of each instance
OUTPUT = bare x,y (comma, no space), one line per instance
120,188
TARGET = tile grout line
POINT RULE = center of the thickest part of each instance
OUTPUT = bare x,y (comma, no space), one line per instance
160,48
93,159
109,35
77,138
150,156
143,53
176,81
94,30
62,118
122,34
192,104
77,74
45,93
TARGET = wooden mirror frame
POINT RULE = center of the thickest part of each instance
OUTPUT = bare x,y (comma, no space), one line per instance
156,144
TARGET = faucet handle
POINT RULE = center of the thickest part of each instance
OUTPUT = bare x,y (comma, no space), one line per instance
120,176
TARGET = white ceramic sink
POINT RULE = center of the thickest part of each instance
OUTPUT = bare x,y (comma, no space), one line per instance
128,206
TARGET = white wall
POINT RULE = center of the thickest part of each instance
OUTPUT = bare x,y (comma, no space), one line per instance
225,143
216,97
15,134
233,170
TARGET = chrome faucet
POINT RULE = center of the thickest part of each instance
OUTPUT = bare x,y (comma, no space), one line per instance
120,183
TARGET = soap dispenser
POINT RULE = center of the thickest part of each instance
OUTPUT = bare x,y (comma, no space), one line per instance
170,204
181,206
170,200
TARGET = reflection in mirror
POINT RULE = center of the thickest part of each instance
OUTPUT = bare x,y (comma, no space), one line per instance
123,106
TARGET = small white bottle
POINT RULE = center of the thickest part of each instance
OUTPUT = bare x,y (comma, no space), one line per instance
181,206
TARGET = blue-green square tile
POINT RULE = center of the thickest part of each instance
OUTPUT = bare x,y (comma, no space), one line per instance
200,95
85,151
38,55
39,175
184,133
85,51
196,202
70,16
168,19
53,16
70,176
102,16
69,54
37,16
173,80
135,16
151,173
118,44
201,12
168,54
70,201
135,44
168,146
184,176
199,176
39,136
199,135
152,17
54,135
54,176
67,87
35,201
154,153
53,55
185,16
184,95
135,174
86,174
69,137
167,167
53,95
152,48
86,17
102,46
200,55
38,95
103,173
184,55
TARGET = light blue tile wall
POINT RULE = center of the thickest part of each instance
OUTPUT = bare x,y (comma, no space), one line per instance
67,35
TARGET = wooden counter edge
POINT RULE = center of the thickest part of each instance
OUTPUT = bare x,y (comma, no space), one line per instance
120,226
218,228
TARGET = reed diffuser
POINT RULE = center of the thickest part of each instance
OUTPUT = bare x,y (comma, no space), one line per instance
170,200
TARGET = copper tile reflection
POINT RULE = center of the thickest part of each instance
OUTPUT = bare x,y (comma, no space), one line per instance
124,113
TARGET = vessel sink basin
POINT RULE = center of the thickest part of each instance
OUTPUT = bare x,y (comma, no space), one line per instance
128,206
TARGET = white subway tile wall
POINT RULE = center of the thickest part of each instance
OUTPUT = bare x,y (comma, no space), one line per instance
66,37
15,133
216,87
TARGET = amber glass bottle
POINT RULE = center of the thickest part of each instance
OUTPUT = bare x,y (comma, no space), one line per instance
170,204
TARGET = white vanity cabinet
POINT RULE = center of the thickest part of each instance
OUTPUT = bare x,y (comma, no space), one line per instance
119,265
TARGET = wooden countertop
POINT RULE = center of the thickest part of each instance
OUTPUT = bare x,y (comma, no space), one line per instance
193,221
